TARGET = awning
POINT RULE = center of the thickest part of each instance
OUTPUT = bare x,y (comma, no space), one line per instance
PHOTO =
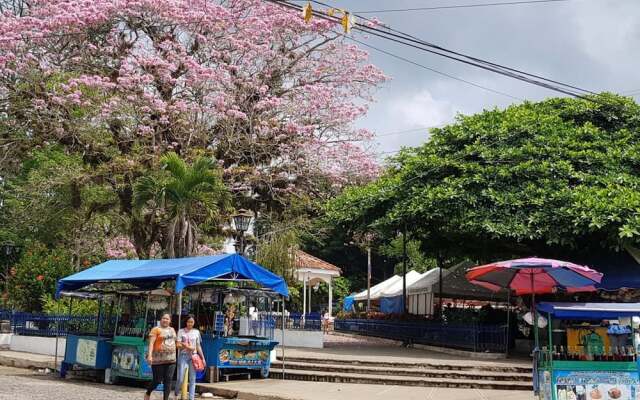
396,288
590,310
185,271
376,289
426,281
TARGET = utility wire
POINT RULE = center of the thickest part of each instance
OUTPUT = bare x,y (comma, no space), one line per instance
433,70
406,39
509,3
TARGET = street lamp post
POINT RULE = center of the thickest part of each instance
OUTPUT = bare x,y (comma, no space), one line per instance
242,220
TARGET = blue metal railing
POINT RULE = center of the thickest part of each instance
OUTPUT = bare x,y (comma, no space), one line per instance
30,324
473,337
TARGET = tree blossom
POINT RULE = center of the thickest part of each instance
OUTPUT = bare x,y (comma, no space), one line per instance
121,82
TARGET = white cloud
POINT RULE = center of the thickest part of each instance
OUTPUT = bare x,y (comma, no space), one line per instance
421,109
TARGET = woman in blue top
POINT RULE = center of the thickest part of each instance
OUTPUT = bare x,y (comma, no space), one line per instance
188,341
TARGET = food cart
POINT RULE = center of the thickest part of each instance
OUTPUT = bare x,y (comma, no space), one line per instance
129,341
231,348
89,347
596,368
139,313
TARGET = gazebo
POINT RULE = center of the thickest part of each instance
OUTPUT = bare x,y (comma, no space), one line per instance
312,271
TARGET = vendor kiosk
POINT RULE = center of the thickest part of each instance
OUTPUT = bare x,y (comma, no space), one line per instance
89,346
592,365
224,348
234,344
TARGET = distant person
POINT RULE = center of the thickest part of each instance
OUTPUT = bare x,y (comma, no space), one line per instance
162,356
189,342
326,319
253,319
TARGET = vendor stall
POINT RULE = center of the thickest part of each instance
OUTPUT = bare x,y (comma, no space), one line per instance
237,344
599,361
129,341
89,346
139,313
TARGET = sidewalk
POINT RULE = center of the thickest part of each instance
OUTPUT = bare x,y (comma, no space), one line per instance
382,353
27,360
272,389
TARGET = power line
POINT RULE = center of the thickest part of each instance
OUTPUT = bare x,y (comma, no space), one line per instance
423,42
417,130
407,40
433,70
509,3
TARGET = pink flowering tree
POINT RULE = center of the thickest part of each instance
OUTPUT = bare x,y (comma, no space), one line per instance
121,82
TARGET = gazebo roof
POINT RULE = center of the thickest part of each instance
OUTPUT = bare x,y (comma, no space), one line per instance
307,261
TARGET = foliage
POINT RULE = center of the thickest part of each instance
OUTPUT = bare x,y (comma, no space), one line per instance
275,252
340,287
536,178
180,200
50,200
36,275
61,307
416,260
117,84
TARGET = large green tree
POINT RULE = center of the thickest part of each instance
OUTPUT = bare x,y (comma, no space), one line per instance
535,178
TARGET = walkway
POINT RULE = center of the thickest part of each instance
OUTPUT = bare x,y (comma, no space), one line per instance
272,389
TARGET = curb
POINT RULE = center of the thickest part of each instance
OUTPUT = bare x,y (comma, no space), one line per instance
236,394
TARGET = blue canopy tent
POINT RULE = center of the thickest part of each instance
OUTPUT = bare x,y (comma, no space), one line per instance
185,271
597,311
347,304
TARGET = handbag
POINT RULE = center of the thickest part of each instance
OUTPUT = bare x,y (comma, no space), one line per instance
197,362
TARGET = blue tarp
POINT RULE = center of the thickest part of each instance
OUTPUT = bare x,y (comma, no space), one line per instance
185,271
391,305
347,304
590,310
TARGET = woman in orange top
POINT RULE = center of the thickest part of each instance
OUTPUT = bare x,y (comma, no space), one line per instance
162,356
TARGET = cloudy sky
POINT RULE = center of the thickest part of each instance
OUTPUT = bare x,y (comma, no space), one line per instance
593,44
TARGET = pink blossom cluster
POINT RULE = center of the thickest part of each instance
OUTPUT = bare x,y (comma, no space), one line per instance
120,247
181,73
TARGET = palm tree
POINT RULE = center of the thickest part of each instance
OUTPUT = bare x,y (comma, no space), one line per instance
183,197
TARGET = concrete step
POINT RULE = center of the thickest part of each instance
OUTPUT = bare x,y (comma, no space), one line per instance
420,372
476,366
317,376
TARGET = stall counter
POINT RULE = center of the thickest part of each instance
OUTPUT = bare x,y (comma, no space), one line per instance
88,352
225,354
128,358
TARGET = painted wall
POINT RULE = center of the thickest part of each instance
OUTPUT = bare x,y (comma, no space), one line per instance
37,345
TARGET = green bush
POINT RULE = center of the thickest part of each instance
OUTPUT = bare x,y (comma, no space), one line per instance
36,275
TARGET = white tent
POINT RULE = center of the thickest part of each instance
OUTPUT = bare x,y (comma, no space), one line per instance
396,288
426,281
376,289
420,294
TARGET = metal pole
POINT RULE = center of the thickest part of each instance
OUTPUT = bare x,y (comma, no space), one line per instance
118,312
369,277
55,359
508,321
146,314
404,269
533,314
179,306
441,311
100,316
283,341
